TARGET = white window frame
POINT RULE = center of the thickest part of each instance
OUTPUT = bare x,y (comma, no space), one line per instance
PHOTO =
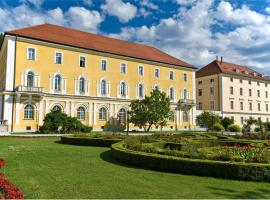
143,91
85,62
157,71
125,71
84,115
185,75
140,66
107,64
171,72
62,58
27,56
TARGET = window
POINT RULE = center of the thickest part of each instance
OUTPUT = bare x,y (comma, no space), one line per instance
265,84
30,79
249,82
141,91
157,87
250,106
241,91
199,82
123,89
82,61
171,94
242,120
185,77
58,58
258,93
102,114
266,94
250,92
259,107
171,75
82,85
266,107
57,108
211,90
231,105
258,83
231,90
171,116
156,73
29,112
103,65
231,78
241,80
212,80
103,87
122,116
81,113
123,68
200,106
185,116
212,105
57,82
241,106
141,70
31,53
185,94
200,92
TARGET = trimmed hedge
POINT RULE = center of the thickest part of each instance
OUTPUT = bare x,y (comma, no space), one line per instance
87,141
220,169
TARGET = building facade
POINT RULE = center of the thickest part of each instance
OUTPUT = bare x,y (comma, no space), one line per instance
233,91
91,77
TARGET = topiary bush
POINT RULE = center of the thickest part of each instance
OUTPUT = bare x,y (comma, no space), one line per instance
234,128
218,127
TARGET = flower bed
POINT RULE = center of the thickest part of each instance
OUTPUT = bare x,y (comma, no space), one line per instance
9,191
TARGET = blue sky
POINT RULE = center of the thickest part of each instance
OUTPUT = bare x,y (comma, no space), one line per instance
193,30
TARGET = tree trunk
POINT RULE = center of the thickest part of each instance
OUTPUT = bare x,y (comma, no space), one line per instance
149,128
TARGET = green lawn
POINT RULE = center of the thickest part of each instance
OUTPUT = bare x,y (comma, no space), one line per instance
45,169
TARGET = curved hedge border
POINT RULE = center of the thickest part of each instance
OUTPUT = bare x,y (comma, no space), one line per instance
219,169
84,141
10,191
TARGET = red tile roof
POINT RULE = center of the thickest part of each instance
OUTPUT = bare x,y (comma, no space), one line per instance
217,67
75,38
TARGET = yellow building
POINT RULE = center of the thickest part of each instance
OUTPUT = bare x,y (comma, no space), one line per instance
88,76
233,90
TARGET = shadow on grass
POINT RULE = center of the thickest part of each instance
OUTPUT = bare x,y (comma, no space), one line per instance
236,194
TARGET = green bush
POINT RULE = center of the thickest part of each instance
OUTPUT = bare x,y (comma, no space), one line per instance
234,128
86,141
58,122
218,127
220,169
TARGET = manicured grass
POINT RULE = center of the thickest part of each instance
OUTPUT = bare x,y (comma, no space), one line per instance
42,168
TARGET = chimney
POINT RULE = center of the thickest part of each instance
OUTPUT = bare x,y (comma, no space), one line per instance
216,58
221,59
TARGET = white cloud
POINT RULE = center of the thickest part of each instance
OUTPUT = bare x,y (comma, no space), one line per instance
185,2
124,11
149,4
267,9
36,3
88,2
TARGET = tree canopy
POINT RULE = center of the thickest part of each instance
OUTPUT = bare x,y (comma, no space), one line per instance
152,110
208,119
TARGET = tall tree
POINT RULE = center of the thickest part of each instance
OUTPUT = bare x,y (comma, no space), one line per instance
208,119
152,110
226,121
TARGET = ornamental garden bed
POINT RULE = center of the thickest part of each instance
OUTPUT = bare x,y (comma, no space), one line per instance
240,159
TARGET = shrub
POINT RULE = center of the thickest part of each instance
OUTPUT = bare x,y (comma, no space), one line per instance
226,121
218,127
87,141
58,122
234,128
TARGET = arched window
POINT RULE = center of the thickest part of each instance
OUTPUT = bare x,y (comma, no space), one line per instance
171,116
123,88
30,79
157,87
141,90
102,113
185,116
57,82
185,96
82,85
172,93
81,113
29,112
57,108
122,115
103,87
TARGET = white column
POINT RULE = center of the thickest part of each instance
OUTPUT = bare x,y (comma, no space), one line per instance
46,106
194,115
72,109
17,115
8,108
95,113
90,113
40,113
10,65
111,118
177,118
67,107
